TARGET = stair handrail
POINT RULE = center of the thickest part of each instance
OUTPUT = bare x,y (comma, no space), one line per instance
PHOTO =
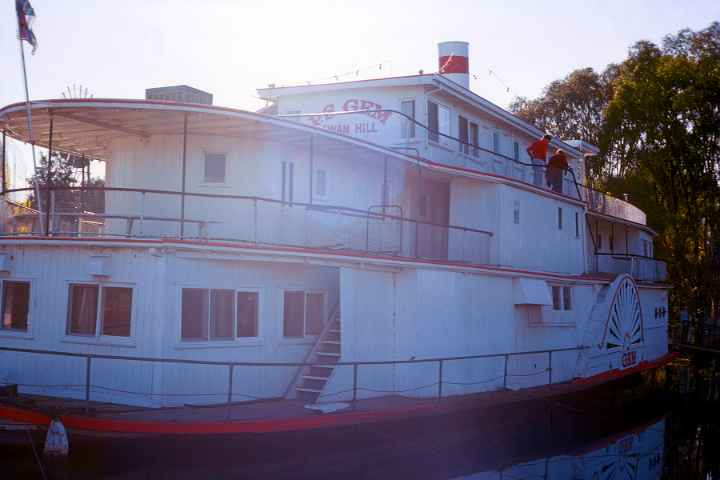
323,333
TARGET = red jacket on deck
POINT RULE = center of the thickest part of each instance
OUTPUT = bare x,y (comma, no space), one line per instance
538,150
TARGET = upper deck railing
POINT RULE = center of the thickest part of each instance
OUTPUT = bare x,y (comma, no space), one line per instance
381,230
457,152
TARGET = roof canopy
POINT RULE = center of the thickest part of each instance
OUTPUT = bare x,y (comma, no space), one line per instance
88,126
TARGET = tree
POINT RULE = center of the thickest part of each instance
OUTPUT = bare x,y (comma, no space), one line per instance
62,173
664,119
656,119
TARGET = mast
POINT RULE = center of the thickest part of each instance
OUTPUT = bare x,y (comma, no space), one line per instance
29,124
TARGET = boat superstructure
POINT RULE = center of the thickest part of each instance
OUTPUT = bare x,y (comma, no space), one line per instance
390,232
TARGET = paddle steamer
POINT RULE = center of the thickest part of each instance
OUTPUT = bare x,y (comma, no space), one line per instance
367,247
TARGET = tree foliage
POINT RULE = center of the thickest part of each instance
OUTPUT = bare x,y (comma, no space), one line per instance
656,119
664,118
62,172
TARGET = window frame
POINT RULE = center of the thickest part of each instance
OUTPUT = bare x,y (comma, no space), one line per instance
98,337
463,134
560,218
496,141
12,332
563,293
306,292
209,342
205,181
408,130
439,137
474,138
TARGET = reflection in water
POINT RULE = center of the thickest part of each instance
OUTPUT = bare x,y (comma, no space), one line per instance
559,443
635,455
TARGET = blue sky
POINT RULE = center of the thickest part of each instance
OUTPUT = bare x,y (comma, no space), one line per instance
119,48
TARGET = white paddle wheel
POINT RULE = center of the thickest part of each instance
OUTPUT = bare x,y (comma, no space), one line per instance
614,334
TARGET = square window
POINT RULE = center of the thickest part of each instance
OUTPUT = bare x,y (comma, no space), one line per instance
15,306
556,294
116,311
222,311
195,302
314,313
293,314
82,309
215,168
567,298
320,183
247,314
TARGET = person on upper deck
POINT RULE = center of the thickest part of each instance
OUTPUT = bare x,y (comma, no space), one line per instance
556,168
538,155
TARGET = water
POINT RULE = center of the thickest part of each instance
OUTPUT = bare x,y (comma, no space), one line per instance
594,438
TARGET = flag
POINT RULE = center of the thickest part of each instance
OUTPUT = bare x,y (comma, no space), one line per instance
26,16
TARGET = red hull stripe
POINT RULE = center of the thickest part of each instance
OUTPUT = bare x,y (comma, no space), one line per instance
280,425
453,64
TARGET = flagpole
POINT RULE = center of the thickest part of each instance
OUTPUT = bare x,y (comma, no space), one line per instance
30,132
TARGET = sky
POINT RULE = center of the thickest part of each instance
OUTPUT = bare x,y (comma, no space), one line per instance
117,49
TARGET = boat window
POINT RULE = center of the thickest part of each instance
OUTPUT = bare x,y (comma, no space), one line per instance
516,212
116,311
516,151
560,218
293,314
222,308
438,122
82,309
496,142
444,123
195,302
408,127
567,298
562,297
463,134
475,138
215,167
303,313
433,120
15,305
218,314
247,314
556,294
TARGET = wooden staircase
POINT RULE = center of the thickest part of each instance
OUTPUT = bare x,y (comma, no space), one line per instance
311,380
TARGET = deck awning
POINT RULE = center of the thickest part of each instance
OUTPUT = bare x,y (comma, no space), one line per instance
89,126
529,291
